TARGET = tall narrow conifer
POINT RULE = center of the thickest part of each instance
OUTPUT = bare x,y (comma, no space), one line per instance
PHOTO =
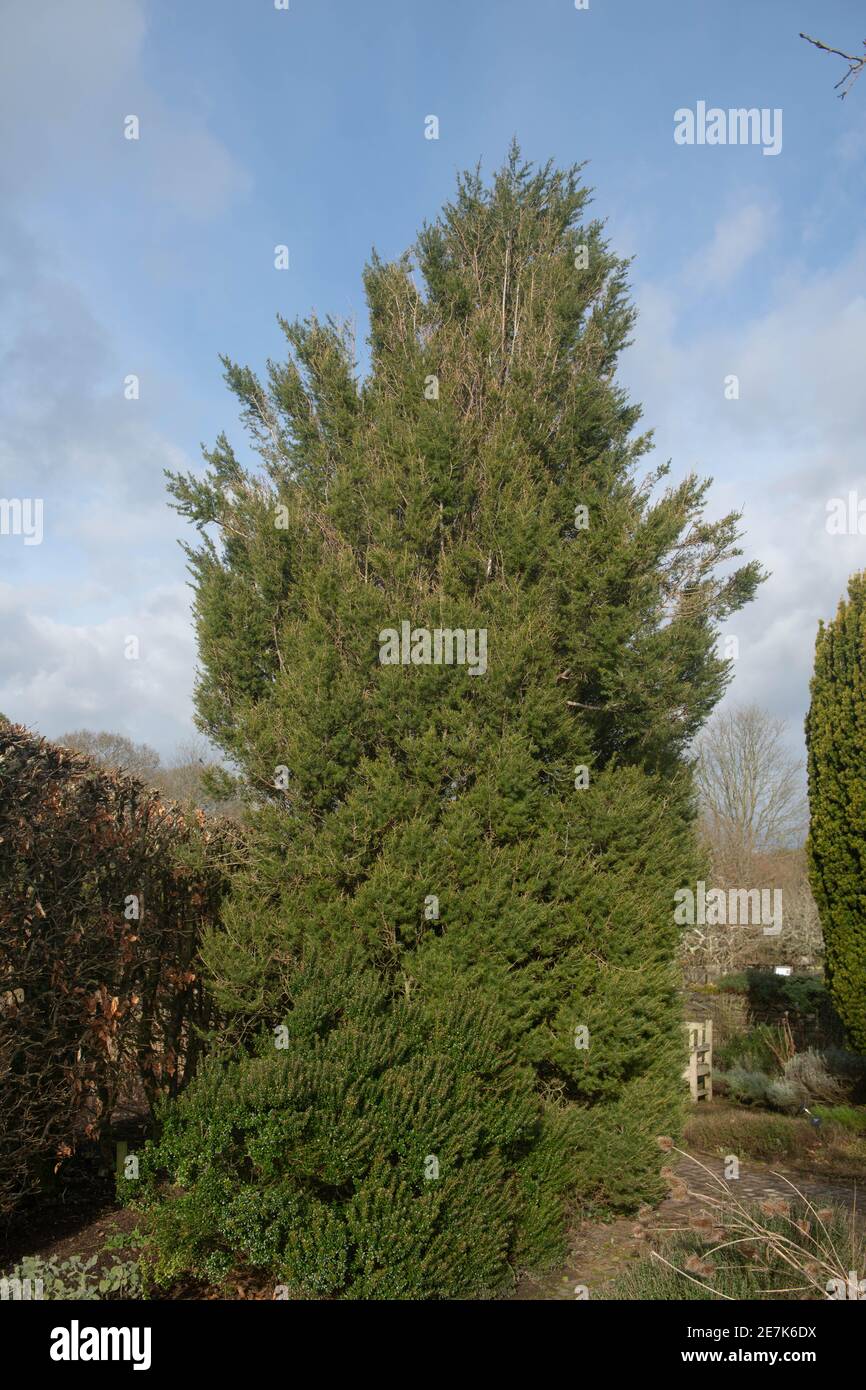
520,829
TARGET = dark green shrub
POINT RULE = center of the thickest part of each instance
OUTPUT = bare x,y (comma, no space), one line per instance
836,763
736,983
803,1001
767,991
756,1050
554,941
316,1162
848,1066
805,994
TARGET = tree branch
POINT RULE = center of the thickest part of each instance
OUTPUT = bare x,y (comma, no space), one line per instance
855,64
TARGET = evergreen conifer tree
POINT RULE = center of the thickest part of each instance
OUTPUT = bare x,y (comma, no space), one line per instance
836,747
518,829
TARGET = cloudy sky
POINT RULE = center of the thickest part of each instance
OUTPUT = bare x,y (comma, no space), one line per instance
305,127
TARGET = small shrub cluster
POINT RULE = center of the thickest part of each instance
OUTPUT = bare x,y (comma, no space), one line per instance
847,1117
73,1278
746,1086
767,990
389,1150
761,1049
802,1002
806,1078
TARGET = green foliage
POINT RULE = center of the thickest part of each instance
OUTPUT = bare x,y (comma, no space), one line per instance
570,928
736,983
836,744
800,994
311,1160
759,1049
382,501
77,1278
804,994
848,1117
848,1067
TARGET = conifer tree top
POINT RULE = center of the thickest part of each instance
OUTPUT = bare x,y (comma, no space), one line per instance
484,473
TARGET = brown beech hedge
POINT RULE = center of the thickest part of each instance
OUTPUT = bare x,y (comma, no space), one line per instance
104,893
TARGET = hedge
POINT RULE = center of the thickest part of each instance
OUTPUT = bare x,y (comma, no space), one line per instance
105,893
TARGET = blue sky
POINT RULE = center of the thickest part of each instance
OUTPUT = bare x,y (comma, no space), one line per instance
306,127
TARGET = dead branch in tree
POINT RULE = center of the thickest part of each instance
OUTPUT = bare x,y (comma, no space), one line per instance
855,64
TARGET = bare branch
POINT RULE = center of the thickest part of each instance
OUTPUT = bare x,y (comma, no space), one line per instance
855,64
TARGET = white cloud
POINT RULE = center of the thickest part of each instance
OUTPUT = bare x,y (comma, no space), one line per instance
793,439
109,565
56,676
69,76
736,240
109,558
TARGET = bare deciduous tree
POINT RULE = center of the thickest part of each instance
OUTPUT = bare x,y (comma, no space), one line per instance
182,778
114,751
751,789
185,778
753,816
801,938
